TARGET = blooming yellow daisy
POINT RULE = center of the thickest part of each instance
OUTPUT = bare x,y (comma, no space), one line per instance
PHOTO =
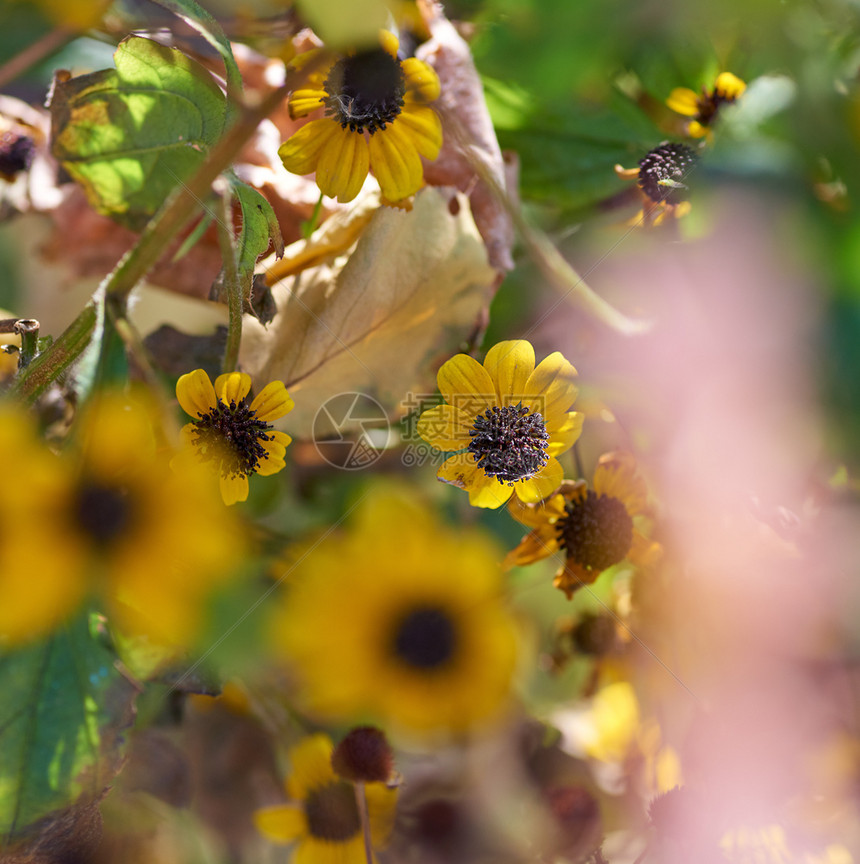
704,107
509,418
154,541
401,620
377,117
41,582
595,527
324,821
231,433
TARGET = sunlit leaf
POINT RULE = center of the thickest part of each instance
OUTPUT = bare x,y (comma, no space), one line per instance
129,135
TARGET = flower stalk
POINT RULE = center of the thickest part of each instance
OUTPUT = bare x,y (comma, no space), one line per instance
28,330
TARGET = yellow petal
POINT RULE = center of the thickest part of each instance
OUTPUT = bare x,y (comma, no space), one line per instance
305,100
195,393
234,487
272,402
466,384
300,153
510,364
552,389
274,458
424,129
389,42
539,514
566,435
462,471
445,427
729,86
310,766
543,484
422,82
281,824
232,387
536,546
684,101
395,162
616,476
343,165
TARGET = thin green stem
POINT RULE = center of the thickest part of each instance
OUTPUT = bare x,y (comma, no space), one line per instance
32,54
227,242
361,801
310,226
28,330
555,269
69,345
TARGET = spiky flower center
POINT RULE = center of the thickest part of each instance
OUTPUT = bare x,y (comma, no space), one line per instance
509,443
103,512
332,813
596,531
232,435
425,638
663,170
365,90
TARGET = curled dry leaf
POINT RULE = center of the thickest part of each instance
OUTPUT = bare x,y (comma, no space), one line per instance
375,317
468,135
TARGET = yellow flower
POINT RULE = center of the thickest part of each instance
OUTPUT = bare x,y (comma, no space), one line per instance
41,583
376,117
324,822
153,540
662,177
509,418
704,107
595,527
231,433
399,619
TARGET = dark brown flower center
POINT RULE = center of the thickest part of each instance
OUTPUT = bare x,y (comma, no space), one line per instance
663,170
365,90
425,638
103,512
708,105
596,531
332,813
231,434
509,443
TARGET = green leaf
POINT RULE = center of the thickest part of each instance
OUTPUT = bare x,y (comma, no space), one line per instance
198,18
129,135
64,707
259,226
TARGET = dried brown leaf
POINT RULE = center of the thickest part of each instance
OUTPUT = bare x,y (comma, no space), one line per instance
379,320
468,135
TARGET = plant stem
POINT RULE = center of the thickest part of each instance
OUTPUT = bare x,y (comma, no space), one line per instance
37,377
227,242
28,330
361,801
32,54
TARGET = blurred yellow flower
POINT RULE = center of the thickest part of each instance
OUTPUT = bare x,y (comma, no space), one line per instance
595,527
74,14
377,117
41,583
155,541
704,107
324,822
236,436
400,620
510,419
